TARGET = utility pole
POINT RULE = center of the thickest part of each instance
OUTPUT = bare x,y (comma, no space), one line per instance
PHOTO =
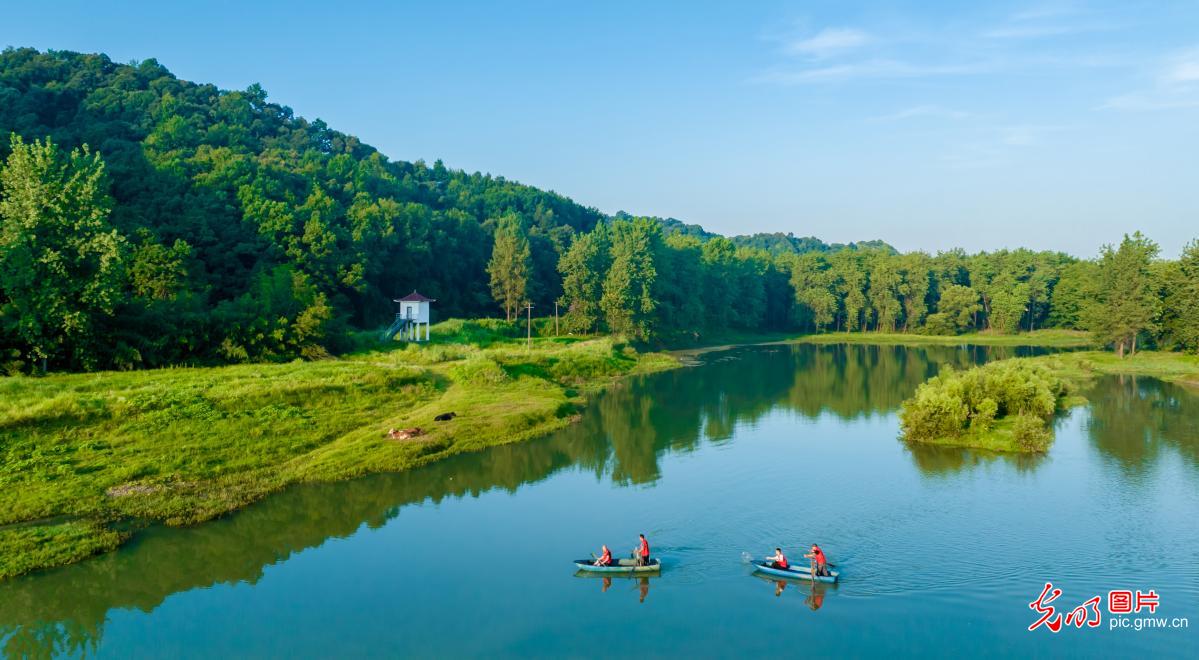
555,318
529,321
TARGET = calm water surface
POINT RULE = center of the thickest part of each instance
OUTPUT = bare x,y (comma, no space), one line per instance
940,550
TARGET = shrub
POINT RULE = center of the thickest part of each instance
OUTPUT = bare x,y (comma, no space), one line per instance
1031,433
955,403
478,371
984,413
939,323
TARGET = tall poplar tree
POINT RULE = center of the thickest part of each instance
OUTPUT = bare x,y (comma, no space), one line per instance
509,265
628,301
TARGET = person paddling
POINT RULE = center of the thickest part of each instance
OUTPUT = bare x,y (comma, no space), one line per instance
779,560
642,551
819,561
605,558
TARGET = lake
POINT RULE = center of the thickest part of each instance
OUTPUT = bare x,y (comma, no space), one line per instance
940,550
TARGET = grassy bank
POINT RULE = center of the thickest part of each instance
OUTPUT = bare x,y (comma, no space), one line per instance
1044,338
1008,405
688,348
84,452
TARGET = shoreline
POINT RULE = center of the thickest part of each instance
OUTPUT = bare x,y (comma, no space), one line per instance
1036,339
502,392
182,446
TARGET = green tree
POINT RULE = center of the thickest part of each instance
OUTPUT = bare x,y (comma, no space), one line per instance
584,268
884,291
851,282
956,310
509,265
60,258
915,269
1127,301
1073,295
1181,323
815,293
679,267
628,301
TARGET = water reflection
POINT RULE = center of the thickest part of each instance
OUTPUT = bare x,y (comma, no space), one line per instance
939,461
641,583
1133,420
622,436
813,592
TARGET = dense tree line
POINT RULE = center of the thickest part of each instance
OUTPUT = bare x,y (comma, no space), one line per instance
684,284
233,229
146,220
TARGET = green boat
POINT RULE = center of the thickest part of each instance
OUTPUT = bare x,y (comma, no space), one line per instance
619,566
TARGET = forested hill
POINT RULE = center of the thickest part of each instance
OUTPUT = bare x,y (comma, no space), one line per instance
775,243
249,186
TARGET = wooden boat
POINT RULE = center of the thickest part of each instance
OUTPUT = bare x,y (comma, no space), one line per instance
794,572
619,566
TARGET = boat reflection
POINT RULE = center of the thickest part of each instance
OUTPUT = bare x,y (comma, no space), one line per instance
812,592
642,582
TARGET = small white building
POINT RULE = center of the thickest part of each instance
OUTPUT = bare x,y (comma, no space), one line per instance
414,312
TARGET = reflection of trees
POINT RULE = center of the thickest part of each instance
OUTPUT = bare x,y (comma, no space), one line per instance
623,433
935,460
63,611
1132,419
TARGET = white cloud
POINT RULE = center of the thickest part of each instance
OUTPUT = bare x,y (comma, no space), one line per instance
1177,87
919,111
829,42
1049,21
1149,101
1184,69
877,68
1027,135
1030,31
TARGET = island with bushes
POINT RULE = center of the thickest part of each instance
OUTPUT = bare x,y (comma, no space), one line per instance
1010,405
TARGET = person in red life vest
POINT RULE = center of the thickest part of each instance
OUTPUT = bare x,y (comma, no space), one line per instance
819,561
605,558
779,560
642,551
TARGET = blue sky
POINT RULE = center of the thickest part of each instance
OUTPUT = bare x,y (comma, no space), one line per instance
1057,125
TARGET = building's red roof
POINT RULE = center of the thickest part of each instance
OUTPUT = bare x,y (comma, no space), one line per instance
414,297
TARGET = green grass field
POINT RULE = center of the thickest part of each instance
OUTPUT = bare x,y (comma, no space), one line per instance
180,446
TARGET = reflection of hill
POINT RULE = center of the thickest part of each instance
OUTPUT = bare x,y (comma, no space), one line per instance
623,433
1132,419
63,611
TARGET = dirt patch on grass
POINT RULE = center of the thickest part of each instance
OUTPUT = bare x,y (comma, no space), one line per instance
125,490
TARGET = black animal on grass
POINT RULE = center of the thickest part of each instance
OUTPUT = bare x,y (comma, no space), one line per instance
445,417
